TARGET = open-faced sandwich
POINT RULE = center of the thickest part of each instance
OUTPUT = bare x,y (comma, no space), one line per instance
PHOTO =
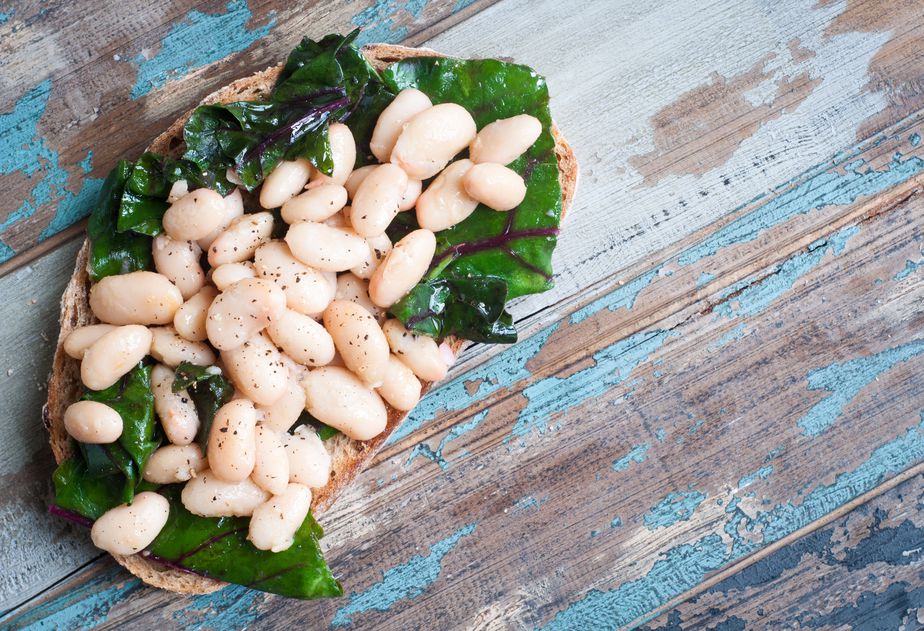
269,289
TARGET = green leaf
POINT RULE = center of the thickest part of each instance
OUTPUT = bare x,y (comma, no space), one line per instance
325,432
209,391
515,246
218,548
470,308
113,252
81,492
132,398
321,82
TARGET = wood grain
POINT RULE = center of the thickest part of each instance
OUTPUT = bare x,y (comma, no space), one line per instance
733,305
862,571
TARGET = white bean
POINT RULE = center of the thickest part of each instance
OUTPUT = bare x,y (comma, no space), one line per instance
309,461
301,338
359,340
80,339
432,138
410,195
232,443
234,208
402,268
275,522
445,202
379,247
175,463
169,347
315,204
92,422
401,387
242,311
271,468
135,298
285,181
337,397
305,288
339,220
495,186
113,355
418,352
179,262
343,150
325,248
390,124
194,215
356,178
177,190
241,239
226,275
504,140
176,410
377,198
351,287
282,414
189,319
257,370
208,495
130,528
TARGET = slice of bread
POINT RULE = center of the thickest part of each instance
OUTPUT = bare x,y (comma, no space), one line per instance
349,456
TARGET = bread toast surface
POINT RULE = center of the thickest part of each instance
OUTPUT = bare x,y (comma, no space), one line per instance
349,457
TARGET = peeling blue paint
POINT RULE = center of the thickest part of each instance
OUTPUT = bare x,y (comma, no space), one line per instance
378,22
5,16
623,297
675,507
529,502
401,582
757,296
761,474
910,268
818,189
660,434
234,607
86,165
678,570
637,454
915,139
462,4
83,607
616,522
612,366
704,279
697,425
198,40
732,335
501,371
845,380
872,611
423,449
23,150
685,565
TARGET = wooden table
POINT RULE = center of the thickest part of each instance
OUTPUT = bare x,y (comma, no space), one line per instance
716,418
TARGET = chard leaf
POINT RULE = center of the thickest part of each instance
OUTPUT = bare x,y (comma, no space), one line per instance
209,391
144,199
470,308
132,398
113,252
514,246
321,82
77,490
218,548
325,432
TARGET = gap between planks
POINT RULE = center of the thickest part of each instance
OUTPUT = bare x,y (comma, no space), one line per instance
742,564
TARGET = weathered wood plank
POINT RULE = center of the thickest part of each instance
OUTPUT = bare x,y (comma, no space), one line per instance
115,74
862,571
594,472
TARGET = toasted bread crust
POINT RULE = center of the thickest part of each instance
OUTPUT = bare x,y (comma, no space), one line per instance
350,457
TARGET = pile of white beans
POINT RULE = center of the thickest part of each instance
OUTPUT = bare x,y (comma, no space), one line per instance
295,324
